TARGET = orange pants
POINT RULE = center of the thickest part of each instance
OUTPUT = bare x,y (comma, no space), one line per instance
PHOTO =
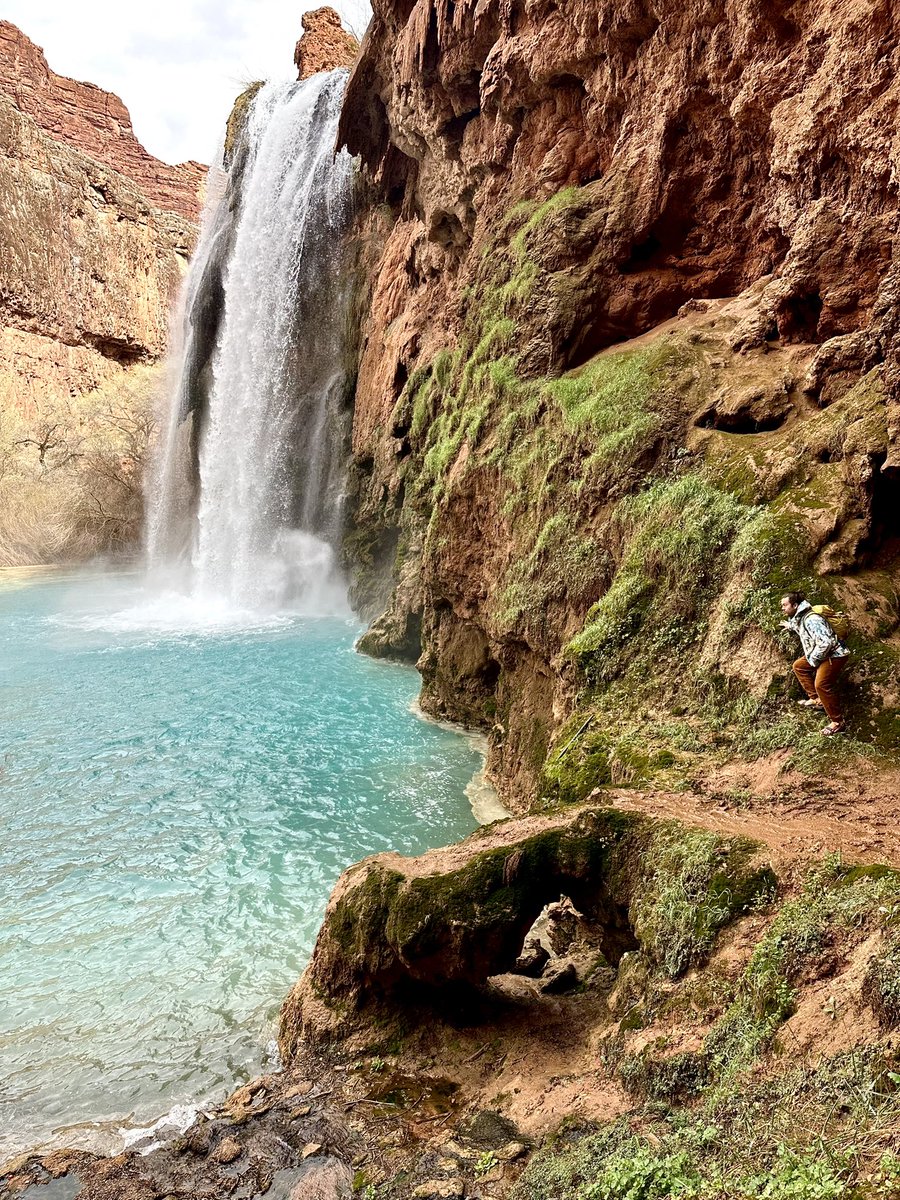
819,683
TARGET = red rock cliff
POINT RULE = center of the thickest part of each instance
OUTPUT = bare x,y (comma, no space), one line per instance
325,44
623,243
89,119
95,235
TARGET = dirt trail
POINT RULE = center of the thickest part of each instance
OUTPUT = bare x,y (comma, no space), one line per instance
855,815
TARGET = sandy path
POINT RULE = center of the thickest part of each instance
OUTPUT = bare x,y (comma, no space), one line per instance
799,818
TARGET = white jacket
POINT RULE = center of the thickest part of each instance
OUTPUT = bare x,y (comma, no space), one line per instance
818,639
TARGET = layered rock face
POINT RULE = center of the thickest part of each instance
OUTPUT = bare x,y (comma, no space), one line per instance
633,274
87,118
89,268
90,263
324,45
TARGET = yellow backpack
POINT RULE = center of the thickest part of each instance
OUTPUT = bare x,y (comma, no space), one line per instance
839,621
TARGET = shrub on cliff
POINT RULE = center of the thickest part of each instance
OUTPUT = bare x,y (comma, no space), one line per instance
71,473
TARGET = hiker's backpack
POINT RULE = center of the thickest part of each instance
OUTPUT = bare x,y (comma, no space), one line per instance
839,621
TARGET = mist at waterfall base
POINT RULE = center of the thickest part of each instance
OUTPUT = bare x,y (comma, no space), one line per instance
194,754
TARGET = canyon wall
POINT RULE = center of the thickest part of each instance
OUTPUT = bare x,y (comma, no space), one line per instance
87,118
630,369
95,236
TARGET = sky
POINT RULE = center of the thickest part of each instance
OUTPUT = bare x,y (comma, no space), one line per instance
177,64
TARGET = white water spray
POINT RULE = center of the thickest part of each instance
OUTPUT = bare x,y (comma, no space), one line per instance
248,494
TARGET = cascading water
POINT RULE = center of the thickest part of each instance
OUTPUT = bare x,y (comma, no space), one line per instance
247,496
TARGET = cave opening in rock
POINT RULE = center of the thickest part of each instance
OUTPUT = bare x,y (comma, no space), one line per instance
882,546
564,948
401,375
799,318
490,674
744,420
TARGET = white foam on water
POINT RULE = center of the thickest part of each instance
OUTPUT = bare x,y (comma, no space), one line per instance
175,1123
480,792
300,583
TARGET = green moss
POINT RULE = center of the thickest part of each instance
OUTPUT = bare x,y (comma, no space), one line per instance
615,395
238,116
569,777
692,885
677,534
362,916
558,205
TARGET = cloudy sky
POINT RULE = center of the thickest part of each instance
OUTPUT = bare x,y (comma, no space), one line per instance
177,64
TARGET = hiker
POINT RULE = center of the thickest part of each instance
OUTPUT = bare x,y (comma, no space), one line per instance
824,658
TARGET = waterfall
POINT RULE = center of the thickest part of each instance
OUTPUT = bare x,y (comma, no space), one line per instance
246,501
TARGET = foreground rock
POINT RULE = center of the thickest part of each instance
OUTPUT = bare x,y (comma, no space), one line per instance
432,931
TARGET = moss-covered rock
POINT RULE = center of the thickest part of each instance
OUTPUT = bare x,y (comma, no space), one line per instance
430,930
238,117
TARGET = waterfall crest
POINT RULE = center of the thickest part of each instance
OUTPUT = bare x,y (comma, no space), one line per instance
246,500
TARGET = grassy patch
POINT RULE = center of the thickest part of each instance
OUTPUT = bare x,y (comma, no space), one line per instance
881,988
807,1135
693,884
833,902
676,536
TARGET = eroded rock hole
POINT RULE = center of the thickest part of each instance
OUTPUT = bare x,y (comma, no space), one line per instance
799,318
401,375
490,673
753,410
642,255
565,948
447,231
454,129
741,422
882,546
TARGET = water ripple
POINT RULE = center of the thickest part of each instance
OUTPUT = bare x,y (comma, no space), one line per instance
177,807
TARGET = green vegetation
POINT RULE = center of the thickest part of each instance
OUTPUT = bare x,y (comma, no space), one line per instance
721,1156
882,984
692,884
237,117
731,1119
677,535
671,551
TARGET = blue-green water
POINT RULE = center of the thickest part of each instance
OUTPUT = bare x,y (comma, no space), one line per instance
179,791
